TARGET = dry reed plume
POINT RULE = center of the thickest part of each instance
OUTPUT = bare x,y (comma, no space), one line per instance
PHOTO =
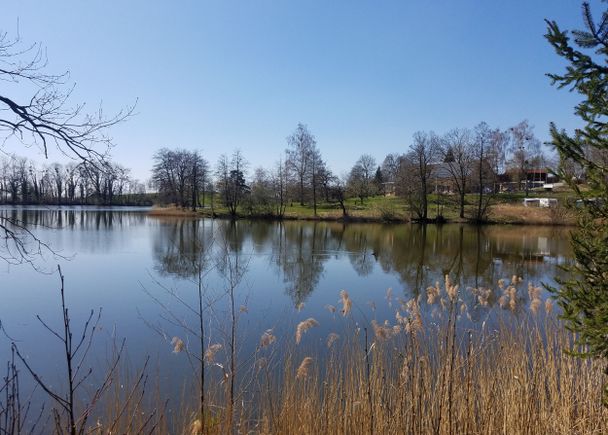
437,378
178,344
304,368
331,339
211,351
347,303
304,326
421,375
267,338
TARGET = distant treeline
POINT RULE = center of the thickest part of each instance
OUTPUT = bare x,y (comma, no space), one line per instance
22,181
459,162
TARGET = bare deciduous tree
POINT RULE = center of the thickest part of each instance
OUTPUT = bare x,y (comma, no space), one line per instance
488,146
457,153
180,176
47,118
525,151
231,180
422,157
301,145
361,177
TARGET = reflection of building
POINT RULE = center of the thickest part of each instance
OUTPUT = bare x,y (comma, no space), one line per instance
543,245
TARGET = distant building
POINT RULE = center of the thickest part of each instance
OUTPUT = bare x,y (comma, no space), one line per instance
388,188
443,179
534,177
540,176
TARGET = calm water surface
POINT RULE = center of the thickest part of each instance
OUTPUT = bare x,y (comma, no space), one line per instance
128,263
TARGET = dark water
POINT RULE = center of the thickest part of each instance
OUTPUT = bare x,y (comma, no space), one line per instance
128,263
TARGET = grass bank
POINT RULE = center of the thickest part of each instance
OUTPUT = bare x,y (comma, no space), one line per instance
506,209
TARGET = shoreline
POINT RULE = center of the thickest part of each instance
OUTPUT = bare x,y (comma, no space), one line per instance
525,216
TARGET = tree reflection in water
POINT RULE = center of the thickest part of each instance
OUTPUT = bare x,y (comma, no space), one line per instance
419,255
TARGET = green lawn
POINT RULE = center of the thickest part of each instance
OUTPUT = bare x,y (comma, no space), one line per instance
389,208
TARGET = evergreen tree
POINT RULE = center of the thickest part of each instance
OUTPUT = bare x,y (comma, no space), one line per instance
584,295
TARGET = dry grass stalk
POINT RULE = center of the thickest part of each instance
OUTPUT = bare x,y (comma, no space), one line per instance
513,377
548,306
304,368
267,338
382,332
389,296
331,339
347,303
178,344
483,295
534,293
451,289
330,308
413,322
211,351
304,326
433,293
196,428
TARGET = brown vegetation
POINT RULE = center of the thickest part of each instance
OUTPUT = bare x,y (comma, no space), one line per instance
519,214
172,212
420,376
435,373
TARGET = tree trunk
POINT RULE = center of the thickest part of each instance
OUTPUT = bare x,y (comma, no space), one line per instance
462,203
424,200
314,198
479,204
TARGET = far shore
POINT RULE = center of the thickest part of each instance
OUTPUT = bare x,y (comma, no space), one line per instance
499,214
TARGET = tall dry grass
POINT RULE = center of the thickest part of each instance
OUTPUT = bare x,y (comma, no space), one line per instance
419,374
437,379
411,374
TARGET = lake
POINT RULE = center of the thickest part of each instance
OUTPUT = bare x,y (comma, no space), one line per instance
143,272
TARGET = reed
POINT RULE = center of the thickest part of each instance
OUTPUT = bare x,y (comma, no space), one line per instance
411,374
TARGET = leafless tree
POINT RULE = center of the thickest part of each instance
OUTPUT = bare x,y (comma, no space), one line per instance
338,191
261,201
525,150
325,180
457,153
69,415
317,168
199,174
421,161
47,118
278,180
390,167
486,149
361,177
230,175
180,176
301,145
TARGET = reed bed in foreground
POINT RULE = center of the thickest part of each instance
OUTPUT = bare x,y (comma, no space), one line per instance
416,373
503,381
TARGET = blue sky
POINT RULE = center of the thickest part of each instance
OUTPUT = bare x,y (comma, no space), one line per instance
364,76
